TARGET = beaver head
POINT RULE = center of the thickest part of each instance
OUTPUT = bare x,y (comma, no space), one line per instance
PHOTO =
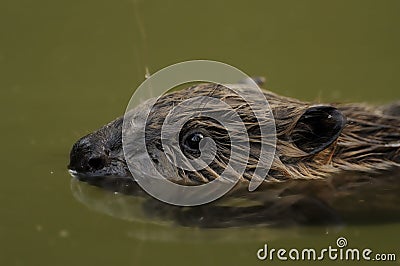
312,141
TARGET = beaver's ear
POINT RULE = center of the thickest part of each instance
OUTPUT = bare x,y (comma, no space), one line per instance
318,128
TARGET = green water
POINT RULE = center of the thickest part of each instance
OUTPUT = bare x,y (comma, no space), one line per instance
68,67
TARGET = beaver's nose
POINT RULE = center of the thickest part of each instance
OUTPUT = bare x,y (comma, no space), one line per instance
88,156
97,162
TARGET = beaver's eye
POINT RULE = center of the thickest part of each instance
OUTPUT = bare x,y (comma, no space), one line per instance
192,141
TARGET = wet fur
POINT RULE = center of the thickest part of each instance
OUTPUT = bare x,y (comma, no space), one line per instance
369,141
356,172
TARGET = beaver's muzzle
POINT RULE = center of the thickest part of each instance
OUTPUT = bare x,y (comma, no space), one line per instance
99,154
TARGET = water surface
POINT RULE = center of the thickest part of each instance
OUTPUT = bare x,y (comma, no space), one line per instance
69,67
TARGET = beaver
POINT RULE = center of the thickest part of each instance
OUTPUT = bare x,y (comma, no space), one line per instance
314,142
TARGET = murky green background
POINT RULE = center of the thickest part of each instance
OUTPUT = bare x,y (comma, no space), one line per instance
68,67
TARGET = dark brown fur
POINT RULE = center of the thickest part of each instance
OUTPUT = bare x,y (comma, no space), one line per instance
343,168
369,141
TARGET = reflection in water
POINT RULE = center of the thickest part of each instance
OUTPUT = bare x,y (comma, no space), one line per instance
349,198
151,222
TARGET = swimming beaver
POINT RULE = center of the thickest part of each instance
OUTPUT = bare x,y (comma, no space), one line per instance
314,142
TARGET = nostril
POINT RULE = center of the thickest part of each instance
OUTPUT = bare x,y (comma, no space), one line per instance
97,162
